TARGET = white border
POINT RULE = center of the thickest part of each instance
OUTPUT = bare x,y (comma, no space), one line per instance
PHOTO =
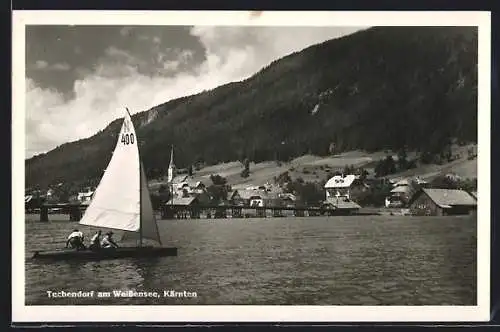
22,313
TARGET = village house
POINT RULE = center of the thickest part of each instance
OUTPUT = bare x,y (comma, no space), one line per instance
400,194
239,197
190,186
184,187
339,186
248,197
254,198
288,199
85,196
183,206
340,190
403,191
440,202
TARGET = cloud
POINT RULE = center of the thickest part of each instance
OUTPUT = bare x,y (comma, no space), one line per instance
116,82
113,52
40,64
171,65
44,65
61,66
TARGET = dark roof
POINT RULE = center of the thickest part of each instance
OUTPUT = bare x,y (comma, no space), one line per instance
446,198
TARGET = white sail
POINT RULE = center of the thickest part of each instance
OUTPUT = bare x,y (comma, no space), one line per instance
117,200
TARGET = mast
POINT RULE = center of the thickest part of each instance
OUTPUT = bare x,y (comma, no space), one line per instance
140,184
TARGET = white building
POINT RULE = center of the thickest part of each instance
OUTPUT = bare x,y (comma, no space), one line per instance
339,186
86,195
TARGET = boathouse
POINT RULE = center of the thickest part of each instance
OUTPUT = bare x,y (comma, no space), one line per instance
440,202
182,207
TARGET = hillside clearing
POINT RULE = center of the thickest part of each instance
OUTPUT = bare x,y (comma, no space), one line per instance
315,168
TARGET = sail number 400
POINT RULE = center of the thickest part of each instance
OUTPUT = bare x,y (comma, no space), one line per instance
128,139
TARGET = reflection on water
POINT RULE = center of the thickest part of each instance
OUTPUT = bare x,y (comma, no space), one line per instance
329,261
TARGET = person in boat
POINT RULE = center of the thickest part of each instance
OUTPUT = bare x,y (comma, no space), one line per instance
75,240
95,241
107,241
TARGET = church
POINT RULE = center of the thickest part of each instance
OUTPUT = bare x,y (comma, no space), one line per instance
182,185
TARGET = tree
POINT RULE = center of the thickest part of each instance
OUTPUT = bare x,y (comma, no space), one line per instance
310,193
156,201
218,180
218,193
385,166
468,185
471,154
444,182
283,178
402,159
375,196
427,157
245,173
219,189
332,148
363,174
190,170
162,189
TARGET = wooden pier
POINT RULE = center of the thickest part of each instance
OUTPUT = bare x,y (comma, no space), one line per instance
75,211
238,211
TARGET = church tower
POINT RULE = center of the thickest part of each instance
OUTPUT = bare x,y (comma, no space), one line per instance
171,167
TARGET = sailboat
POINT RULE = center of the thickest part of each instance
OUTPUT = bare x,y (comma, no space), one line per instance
121,202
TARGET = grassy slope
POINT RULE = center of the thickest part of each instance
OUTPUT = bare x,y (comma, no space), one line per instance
316,167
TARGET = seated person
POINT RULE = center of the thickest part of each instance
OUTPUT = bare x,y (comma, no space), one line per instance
95,241
75,240
107,241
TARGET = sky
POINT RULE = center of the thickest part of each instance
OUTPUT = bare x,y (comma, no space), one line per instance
80,78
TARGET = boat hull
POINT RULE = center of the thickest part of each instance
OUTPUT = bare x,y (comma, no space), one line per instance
102,254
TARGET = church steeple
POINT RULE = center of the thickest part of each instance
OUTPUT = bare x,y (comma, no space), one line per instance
171,166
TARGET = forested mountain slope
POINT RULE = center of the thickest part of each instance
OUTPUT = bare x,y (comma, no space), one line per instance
381,88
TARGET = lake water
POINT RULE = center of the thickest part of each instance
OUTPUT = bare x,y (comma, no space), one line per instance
356,260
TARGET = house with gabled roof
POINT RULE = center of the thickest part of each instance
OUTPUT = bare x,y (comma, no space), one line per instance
339,186
440,202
